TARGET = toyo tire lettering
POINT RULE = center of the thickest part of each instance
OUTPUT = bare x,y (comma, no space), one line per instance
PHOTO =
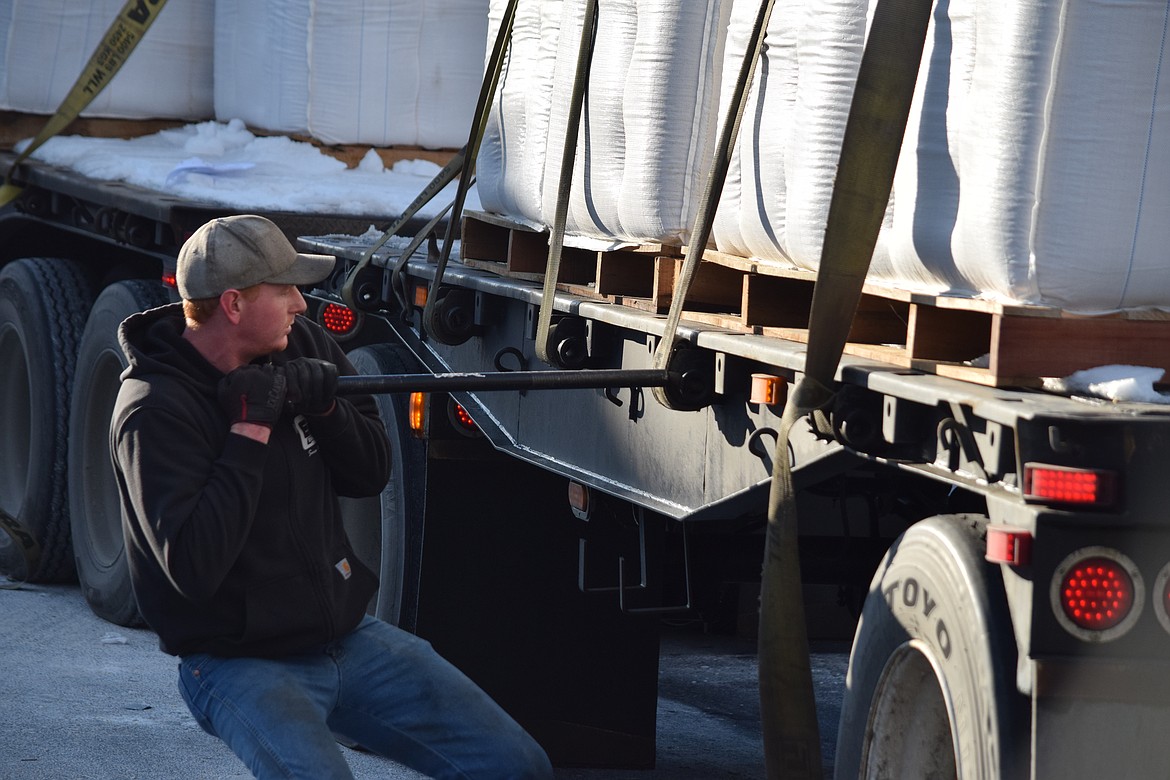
930,690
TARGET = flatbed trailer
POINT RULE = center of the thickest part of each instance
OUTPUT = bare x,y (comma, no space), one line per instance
537,536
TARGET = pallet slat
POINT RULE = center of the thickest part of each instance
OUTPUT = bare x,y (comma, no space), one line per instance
975,340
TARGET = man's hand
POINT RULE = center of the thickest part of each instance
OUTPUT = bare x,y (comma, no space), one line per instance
312,385
253,394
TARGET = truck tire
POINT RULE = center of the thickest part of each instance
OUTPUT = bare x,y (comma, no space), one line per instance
386,531
43,306
94,505
930,690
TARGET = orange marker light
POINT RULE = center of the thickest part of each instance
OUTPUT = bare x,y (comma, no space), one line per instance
768,389
417,414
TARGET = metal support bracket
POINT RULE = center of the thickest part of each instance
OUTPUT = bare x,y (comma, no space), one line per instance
645,564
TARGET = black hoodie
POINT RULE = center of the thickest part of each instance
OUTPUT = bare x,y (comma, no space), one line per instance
237,547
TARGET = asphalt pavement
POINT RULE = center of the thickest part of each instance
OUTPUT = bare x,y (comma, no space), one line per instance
81,699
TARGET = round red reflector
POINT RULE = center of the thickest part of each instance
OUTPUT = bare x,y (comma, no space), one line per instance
1162,597
1096,593
338,319
463,418
461,421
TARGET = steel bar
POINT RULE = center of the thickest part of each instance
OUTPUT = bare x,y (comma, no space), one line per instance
504,380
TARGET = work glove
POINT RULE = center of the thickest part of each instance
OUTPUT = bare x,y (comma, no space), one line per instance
253,394
312,385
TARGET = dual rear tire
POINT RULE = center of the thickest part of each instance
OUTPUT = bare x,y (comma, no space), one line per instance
43,307
94,504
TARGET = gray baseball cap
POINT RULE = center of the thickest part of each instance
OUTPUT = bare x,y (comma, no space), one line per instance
240,251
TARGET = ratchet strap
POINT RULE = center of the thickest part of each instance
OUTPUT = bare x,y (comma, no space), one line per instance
556,237
869,156
444,177
705,217
487,92
397,280
115,48
29,549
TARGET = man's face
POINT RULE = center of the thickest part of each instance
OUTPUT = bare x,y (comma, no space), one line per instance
266,319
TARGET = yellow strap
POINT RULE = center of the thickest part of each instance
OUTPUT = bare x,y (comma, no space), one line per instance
119,41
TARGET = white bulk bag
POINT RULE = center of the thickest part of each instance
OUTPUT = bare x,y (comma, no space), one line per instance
511,162
1036,163
390,73
45,45
648,125
402,72
262,63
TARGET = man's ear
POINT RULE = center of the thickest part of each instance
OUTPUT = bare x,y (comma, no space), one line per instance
231,304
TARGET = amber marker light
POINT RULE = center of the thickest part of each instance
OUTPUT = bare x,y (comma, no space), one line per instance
417,414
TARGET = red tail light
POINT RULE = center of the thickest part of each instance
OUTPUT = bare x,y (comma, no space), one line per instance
1162,597
339,320
1097,594
1063,485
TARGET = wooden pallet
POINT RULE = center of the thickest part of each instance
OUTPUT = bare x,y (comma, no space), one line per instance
986,342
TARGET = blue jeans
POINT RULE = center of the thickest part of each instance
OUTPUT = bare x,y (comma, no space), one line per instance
380,687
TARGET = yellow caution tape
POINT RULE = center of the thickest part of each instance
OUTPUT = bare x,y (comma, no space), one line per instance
115,48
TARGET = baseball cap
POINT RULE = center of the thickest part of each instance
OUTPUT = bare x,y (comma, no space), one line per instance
240,251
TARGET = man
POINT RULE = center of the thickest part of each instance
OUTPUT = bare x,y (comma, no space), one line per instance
231,449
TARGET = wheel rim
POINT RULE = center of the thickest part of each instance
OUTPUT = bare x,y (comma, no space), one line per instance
15,403
910,732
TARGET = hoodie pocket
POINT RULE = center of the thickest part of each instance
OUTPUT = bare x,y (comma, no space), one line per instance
287,608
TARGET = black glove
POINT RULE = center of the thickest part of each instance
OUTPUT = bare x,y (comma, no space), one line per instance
312,385
253,394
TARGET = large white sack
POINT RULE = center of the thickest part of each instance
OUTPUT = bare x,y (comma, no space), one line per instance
670,110
1036,164
45,44
396,72
776,198
600,159
511,162
1068,156
402,72
262,63
648,126
915,246
751,215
